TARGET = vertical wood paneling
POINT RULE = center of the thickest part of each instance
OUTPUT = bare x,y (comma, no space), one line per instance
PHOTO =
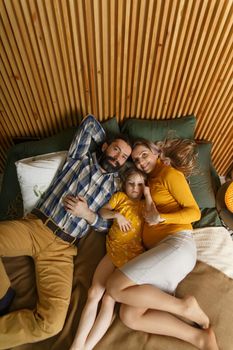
125,72
148,45
157,74
112,28
152,67
126,58
42,62
80,82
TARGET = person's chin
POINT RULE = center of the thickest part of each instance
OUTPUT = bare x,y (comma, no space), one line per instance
110,168
135,196
147,170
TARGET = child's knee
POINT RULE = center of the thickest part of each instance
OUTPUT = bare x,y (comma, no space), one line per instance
95,292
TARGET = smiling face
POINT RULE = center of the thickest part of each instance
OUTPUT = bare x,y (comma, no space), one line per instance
144,159
134,186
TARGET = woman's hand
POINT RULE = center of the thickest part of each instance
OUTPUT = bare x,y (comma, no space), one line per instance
123,223
152,216
146,191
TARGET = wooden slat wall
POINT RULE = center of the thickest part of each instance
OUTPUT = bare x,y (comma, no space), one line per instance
61,59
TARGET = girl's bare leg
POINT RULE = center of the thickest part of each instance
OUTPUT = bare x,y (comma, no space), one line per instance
95,293
102,322
125,291
164,323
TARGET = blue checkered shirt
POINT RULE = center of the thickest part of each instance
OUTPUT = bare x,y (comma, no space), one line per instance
81,175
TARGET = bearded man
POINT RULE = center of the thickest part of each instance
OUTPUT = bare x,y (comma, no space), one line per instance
51,232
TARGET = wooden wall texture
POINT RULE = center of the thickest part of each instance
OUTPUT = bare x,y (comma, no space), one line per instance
61,59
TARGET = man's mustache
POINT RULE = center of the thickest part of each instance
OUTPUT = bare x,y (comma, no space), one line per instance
113,159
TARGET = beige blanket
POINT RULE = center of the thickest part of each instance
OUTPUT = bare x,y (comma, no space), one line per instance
212,288
215,248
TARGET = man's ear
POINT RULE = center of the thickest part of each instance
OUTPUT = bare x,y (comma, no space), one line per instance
104,146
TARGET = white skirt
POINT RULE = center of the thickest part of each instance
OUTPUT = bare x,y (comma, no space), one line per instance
166,264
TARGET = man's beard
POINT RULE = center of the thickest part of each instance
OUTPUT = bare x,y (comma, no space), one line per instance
106,165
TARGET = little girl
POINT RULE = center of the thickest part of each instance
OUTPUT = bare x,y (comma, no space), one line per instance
123,243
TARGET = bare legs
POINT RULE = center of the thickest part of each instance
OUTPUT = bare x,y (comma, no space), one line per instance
158,311
91,328
102,322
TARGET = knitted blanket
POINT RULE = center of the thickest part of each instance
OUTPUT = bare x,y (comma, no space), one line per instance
215,248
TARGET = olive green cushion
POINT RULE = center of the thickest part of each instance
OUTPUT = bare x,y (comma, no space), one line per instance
209,217
201,184
11,205
156,130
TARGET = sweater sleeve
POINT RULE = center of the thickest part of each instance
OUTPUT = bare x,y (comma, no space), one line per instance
186,210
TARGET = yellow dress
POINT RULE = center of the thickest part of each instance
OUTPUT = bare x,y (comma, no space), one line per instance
124,246
175,203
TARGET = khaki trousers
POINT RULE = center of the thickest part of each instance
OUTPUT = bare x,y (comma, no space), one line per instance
53,260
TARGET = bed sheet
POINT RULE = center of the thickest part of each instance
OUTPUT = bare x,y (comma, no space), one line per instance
211,285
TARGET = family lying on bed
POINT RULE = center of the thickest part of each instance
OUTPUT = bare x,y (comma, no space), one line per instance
144,285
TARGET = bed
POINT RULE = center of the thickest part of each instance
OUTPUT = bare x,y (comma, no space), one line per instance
211,281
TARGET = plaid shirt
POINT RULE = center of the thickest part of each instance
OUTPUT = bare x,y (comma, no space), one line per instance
80,175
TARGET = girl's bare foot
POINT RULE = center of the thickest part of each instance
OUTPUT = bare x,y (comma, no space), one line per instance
194,312
209,340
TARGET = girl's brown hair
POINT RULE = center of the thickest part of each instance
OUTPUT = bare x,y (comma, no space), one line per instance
132,170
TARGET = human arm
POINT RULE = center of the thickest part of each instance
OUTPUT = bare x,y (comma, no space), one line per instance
107,212
78,206
151,213
89,129
182,207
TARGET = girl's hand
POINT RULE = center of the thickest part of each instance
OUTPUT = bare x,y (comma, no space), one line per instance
123,223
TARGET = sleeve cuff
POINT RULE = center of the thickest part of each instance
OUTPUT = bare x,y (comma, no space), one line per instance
95,221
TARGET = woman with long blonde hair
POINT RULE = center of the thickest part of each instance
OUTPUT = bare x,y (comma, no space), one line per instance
146,285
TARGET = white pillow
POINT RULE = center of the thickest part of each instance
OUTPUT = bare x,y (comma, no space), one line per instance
35,174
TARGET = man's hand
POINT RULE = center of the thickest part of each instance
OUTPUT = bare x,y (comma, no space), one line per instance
123,223
77,206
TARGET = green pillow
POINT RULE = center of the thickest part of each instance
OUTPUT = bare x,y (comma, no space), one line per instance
157,130
201,184
111,127
209,217
11,205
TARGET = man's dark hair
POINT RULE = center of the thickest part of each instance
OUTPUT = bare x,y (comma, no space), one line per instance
110,138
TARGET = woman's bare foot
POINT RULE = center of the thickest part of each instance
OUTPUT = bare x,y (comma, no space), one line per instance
209,341
194,312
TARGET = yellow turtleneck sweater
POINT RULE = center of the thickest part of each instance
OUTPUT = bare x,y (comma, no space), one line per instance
175,203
